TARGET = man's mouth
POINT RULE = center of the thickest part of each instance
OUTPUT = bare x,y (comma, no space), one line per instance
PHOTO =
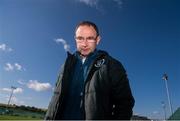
85,49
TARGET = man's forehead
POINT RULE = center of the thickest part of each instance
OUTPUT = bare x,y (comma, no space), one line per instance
85,29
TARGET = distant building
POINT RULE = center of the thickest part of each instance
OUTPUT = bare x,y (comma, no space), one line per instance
136,117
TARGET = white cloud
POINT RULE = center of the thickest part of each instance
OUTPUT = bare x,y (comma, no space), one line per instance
62,41
4,47
11,67
91,3
98,4
37,86
6,89
21,82
18,67
119,2
16,91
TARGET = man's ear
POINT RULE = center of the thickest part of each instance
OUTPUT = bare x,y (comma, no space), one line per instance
98,39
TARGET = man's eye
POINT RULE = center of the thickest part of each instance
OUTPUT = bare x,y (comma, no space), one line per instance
90,38
80,38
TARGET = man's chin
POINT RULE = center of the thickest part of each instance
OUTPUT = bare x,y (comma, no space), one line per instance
85,54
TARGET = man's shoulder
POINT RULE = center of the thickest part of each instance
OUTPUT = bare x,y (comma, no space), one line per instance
107,56
113,62
70,56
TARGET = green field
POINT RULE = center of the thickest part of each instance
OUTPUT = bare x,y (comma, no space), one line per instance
20,113
10,117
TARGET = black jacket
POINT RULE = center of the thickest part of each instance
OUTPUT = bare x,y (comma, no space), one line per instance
107,94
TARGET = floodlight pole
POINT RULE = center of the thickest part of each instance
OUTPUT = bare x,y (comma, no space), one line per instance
165,78
13,88
164,109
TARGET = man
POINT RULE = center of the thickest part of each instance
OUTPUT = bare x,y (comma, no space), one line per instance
92,85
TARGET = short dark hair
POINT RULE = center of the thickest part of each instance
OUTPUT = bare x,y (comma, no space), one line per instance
88,23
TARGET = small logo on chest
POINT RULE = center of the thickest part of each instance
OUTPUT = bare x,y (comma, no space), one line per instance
99,63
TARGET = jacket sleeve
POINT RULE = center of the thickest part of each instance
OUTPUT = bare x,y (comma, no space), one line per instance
52,108
122,98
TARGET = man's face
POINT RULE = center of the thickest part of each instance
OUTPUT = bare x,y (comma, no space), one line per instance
86,39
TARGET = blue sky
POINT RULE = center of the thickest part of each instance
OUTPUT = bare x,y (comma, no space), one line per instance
143,34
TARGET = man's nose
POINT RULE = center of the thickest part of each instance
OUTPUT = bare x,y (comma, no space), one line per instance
84,42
